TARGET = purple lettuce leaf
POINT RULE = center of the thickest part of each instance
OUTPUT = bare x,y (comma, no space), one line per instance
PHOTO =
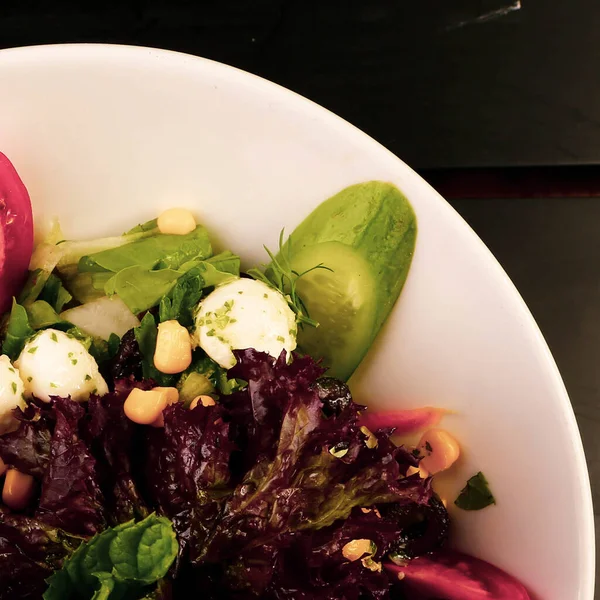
70,497
308,476
257,412
30,551
127,363
313,565
28,448
115,442
187,471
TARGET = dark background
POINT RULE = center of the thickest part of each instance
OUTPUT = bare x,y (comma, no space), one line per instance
496,102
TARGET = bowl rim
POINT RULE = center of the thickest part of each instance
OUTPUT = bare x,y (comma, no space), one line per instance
169,58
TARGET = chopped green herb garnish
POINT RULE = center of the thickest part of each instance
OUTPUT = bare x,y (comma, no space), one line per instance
70,355
88,377
428,447
13,385
11,369
30,379
53,337
476,494
53,385
281,339
73,361
210,333
32,350
280,276
265,295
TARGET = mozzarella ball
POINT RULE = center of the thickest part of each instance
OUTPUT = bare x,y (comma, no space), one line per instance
244,314
55,364
11,394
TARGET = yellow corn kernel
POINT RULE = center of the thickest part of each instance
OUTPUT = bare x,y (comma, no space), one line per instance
145,406
439,450
420,470
356,549
173,352
172,397
18,489
176,221
204,400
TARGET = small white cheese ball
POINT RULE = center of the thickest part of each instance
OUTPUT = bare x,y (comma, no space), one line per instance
11,394
55,364
244,314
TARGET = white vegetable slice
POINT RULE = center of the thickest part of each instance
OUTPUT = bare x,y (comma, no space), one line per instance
102,317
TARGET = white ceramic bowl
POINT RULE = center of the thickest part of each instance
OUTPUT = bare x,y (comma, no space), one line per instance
106,136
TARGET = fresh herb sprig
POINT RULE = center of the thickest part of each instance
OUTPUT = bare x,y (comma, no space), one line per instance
280,276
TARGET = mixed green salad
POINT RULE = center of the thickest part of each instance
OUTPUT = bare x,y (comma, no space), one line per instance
172,427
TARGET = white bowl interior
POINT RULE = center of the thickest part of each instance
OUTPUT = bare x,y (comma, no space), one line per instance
105,137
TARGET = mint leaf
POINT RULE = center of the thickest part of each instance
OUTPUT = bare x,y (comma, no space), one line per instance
144,552
118,561
60,586
81,580
107,586
476,494
97,558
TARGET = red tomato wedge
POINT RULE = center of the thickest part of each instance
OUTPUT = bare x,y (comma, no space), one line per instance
16,232
404,421
456,576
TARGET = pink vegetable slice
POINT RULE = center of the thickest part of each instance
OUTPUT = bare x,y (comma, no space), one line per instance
456,576
404,421
16,232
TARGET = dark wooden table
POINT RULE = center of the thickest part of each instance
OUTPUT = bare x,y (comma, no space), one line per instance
450,86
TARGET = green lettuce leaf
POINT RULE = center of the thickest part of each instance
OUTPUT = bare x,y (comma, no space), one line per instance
212,374
159,251
181,301
141,288
145,336
55,294
18,331
42,315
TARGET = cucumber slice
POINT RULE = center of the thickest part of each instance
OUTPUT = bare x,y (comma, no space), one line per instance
341,300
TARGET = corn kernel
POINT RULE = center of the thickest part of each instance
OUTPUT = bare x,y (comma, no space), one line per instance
145,406
176,221
173,353
356,549
172,397
439,450
204,400
424,474
18,489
